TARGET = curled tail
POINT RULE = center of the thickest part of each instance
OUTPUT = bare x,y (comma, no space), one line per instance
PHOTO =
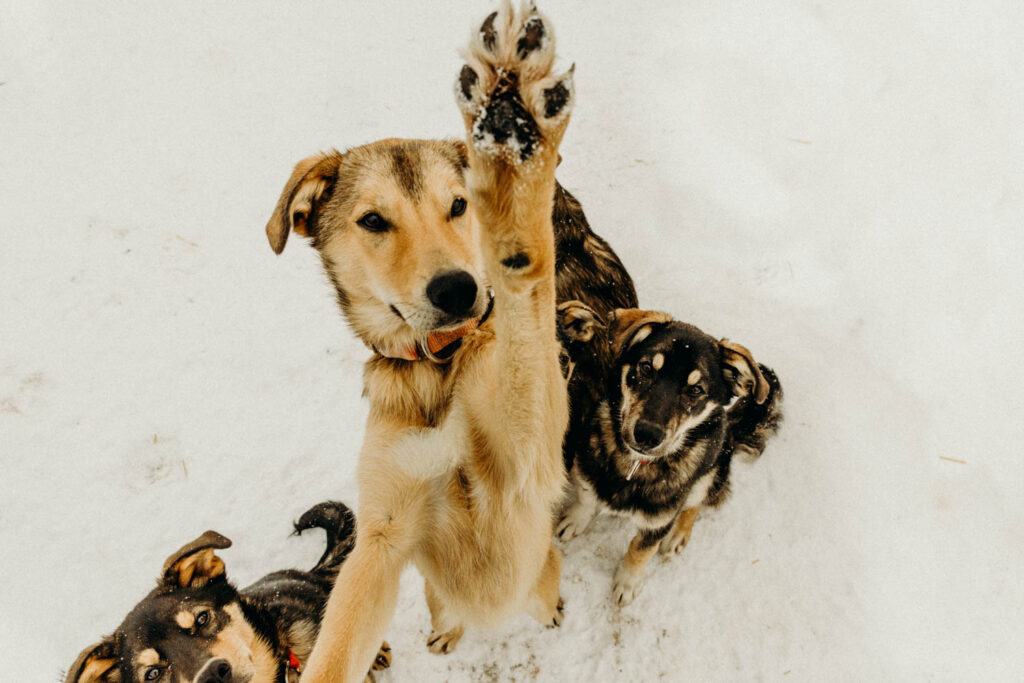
750,424
337,520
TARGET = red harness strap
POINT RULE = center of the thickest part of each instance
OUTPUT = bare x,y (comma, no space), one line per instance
293,661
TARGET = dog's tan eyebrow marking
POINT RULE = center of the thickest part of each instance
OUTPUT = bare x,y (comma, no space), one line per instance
658,361
641,334
185,619
148,657
694,377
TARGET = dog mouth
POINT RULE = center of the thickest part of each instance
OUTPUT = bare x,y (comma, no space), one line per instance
441,344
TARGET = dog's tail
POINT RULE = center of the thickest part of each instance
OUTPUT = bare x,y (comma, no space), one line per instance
337,520
752,424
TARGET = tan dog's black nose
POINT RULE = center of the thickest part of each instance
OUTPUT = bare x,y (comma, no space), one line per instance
453,292
648,435
216,671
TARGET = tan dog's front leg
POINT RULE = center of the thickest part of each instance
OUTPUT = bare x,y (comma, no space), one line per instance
357,614
516,109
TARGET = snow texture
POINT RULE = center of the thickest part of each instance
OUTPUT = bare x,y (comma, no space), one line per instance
837,186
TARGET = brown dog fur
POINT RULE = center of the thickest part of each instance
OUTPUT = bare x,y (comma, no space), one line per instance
461,469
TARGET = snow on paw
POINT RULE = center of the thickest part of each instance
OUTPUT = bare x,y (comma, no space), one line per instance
513,105
443,643
626,587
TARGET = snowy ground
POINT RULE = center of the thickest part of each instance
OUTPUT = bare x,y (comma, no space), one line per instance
837,186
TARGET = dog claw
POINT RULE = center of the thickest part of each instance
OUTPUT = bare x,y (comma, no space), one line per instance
383,659
531,36
488,34
559,616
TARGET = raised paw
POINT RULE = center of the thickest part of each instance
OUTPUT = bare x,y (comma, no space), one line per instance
513,105
383,659
626,587
444,643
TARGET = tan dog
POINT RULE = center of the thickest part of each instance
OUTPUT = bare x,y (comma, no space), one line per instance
442,256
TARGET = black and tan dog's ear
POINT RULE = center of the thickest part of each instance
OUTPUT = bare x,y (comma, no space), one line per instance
742,371
632,325
578,321
304,188
196,564
97,663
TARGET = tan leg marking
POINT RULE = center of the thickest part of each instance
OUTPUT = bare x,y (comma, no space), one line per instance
677,539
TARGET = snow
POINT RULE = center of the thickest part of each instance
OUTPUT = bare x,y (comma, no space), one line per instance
837,186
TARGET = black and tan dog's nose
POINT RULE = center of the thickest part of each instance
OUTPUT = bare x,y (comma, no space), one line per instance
216,671
648,435
453,292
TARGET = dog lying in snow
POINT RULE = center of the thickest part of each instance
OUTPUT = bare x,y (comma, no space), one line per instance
676,406
196,627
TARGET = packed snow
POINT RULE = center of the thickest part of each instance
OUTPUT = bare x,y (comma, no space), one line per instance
837,186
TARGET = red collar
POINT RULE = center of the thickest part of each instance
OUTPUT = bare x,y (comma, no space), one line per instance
437,346
293,661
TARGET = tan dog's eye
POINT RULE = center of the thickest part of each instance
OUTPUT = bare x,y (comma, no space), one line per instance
373,222
154,673
203,618
458,207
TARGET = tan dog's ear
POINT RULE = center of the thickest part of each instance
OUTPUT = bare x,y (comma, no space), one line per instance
196,564
742,371
96,664
308,181
632,325
578,321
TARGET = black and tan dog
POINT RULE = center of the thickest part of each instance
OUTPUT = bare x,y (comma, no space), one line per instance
678,405
196,627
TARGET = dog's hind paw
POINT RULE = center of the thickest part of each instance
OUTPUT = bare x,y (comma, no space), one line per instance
383,659
559,615
444,643
513,105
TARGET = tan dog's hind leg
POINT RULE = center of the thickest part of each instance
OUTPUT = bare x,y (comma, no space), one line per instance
547,605
676,540
444,634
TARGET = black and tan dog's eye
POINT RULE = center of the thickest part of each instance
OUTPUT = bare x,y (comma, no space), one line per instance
458,207
373,222
644,370
695,390
203,618
154,673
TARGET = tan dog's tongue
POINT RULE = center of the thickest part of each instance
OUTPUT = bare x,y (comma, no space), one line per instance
438,340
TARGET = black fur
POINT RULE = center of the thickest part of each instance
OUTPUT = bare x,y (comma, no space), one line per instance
587,270
281,608
658,489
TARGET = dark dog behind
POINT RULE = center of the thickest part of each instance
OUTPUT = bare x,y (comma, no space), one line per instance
195,626
677,406
590,282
